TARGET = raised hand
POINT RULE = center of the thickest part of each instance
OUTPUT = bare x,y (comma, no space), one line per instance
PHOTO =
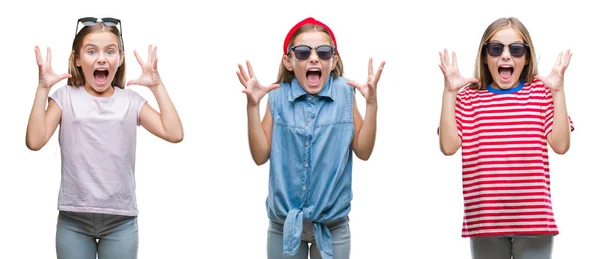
453,80
149,77
252,88
369,89
555,80
47,76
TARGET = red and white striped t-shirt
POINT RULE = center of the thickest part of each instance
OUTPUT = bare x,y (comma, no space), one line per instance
506,176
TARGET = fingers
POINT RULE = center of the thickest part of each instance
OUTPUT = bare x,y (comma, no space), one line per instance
242,73
378,74
446,59
370,67
64,76
38,56
48,56
241,78
138,58
272,87
567,58
132,82
150,52
250,70
558,59
354,84
154,53
473,80
443,69
453,58
442,61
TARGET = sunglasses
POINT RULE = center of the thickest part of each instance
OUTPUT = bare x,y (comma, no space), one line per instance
302,52
108,21
496,49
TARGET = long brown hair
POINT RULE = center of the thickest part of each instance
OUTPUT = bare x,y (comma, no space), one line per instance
77,78
482,72
285,75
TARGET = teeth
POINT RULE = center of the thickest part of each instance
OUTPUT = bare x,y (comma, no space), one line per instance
506,66
314,69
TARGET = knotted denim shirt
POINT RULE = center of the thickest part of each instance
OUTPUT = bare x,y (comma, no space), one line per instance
310,176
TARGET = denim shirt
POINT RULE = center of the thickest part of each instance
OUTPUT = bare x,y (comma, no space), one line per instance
310,176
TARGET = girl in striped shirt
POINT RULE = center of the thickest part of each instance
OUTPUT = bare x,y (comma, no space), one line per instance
503,120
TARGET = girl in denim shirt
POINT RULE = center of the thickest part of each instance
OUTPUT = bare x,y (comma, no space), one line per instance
309,130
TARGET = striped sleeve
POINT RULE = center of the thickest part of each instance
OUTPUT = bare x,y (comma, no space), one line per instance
459,113
549,114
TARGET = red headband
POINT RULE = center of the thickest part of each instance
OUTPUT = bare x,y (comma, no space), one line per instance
308,20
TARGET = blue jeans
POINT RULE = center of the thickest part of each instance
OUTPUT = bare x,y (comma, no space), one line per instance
513,246
76,235
340,235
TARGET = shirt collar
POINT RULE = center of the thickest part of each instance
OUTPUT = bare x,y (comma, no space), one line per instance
298,91
506,91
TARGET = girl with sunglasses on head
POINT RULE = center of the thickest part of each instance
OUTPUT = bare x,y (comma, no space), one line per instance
309,132
503,120
98,120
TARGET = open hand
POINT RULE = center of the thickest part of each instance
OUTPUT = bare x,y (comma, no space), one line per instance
252,88
369,89
453,80
149,77
47,76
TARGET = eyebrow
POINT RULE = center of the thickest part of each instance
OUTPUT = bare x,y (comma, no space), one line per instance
517,41
94,46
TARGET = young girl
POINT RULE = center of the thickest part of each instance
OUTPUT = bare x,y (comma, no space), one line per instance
503,120
309,130
98,120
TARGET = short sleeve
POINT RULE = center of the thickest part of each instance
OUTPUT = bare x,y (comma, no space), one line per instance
549,114
59,96
458,111
137,102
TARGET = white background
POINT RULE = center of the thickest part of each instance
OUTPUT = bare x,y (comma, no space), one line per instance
205,198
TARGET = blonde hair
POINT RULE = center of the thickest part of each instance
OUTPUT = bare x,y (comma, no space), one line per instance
285,75
77,78
482,72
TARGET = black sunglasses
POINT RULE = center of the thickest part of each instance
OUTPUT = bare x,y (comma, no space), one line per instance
302,52
495,49
109,21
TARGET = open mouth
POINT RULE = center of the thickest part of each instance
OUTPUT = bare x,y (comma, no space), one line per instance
313,76
506,71
101,75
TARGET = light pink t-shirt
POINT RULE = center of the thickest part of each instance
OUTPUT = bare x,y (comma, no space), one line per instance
98,141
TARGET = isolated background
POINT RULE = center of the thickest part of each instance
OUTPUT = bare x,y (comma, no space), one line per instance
204,197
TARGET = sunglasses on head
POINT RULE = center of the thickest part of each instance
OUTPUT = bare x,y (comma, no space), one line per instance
496,49
302,52
108,21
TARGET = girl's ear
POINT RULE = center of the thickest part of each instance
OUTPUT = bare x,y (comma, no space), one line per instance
77,63
288,63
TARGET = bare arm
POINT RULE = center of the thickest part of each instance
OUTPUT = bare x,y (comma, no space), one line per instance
450,141
259,134
166,124
42,122
560,136
364,131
